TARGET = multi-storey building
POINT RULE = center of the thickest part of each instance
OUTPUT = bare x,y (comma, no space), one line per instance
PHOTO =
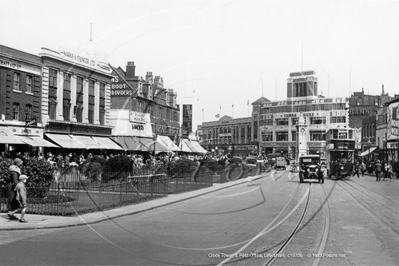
76,100
21,127
278,119
229,136
147,108
363,109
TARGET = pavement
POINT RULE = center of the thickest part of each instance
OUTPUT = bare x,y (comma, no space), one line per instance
49,222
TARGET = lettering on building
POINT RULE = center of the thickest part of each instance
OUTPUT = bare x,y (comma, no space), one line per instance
137,127
359,112
137,117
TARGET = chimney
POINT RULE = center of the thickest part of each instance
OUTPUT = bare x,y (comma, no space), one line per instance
130,70
148,76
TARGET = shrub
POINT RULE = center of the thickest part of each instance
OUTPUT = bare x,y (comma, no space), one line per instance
4,174
212,165
181,167
92,171
117,167
40,175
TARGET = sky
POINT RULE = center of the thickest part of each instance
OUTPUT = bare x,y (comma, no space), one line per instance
220,54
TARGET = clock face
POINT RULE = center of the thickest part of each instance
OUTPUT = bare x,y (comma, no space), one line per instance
302,130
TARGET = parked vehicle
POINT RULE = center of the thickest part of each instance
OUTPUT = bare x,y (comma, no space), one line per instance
309,168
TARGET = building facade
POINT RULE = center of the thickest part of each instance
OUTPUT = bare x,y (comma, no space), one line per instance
143,106
75,99
229,136
278,119
20,100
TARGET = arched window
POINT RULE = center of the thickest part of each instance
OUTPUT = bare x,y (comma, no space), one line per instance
359,101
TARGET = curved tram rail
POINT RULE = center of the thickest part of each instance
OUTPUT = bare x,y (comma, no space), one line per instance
299,225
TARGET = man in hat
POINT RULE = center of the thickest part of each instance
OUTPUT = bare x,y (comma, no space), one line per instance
20,198
15,172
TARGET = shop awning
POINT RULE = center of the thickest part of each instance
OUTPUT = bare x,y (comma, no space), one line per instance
130,143
368,151
198,147
7,137
184,146
38,142
88,142
167,142
149,145
107,143
65,141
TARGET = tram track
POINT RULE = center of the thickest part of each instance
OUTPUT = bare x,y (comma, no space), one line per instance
377,216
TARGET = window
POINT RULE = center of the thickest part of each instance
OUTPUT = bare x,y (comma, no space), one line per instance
17,82
28,112
282,136
282,122
15,111
337,119
91,101
67,82
294,121
269,122
66,109
317,120
102,104
267,136
52,103
52,78
79,113
293,135
79,85
28,83
317,136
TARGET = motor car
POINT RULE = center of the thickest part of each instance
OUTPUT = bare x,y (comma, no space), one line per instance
251,161
310,169
281,163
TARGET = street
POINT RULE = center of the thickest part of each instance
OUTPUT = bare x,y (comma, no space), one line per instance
273,220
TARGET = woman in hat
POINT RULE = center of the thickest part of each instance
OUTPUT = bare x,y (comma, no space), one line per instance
15,172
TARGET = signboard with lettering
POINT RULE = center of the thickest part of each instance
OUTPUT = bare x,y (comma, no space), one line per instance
358,112
78,59
130,123
119,86
18,66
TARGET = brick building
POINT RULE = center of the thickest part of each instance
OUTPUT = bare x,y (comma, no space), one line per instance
21,127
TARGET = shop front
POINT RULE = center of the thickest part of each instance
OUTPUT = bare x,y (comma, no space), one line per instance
78,137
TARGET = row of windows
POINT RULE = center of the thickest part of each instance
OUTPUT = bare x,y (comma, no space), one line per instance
283,136
156,110
17,114
294,121
17,82
302,108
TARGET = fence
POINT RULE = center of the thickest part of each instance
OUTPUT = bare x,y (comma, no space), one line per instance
75,194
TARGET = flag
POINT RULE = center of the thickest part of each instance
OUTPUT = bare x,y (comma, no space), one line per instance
217,116
248,102
202,109
220,107
232,105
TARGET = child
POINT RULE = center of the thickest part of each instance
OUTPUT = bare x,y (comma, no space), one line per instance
20,198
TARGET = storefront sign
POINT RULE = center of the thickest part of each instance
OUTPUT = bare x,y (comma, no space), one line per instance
18,66
26,131
77,59
137,127
137,117
77,129
242,147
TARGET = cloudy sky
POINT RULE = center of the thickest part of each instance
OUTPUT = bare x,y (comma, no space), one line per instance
222,53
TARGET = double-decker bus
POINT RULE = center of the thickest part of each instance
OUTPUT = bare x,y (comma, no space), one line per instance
340,149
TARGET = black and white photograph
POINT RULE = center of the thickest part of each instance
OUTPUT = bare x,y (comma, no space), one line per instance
199,132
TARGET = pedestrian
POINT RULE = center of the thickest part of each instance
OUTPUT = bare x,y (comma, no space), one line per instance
395,169
356,169
363,168
377,170
20,198
15,172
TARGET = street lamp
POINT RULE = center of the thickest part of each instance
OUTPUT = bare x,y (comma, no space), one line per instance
369,147
385,149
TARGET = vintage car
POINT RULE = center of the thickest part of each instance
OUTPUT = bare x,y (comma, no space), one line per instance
310,169
281,163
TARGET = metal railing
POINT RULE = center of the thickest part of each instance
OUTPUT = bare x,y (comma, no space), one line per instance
75,194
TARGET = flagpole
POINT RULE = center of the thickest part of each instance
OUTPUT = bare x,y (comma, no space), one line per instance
202,115
232,107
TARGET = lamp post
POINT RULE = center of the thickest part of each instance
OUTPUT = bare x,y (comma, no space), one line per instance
369,147
385,148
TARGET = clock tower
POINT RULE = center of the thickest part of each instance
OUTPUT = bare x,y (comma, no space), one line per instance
301,137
